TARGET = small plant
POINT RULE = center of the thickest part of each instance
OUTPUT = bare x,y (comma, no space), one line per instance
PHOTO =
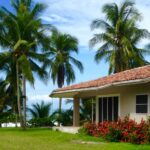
83,130
133,138
40,122
114,135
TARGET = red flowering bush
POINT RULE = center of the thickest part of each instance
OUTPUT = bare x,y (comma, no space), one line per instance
125,130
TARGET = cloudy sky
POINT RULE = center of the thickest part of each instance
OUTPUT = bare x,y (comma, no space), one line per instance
74,17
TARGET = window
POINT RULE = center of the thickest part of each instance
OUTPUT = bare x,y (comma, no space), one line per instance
108,108
142,104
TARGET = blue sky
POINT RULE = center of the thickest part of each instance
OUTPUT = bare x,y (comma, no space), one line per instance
74,17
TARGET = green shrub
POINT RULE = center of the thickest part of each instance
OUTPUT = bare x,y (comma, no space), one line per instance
114,134
40,122
7,117
83,131
133,138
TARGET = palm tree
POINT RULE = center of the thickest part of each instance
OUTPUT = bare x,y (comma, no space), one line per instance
66,117
120,37
40,110
22,33
8,85
62,62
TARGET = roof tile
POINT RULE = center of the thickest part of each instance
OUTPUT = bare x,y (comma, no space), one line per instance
133,74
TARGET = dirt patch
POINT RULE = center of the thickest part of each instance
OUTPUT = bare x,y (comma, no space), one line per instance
87,142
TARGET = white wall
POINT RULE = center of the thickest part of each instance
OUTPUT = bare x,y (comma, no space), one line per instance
127,100
5,125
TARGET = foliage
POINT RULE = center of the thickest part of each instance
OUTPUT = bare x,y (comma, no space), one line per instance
40,122
41,110
65,117
83,130
86,110
126,130
114,134
62,46
62,61
22,33
7,117
120,37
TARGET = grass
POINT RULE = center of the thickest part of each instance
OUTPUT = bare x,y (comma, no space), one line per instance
45,139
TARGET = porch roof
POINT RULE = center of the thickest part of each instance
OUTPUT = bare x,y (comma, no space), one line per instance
133,76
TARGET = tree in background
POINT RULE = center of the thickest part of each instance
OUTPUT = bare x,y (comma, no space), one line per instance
22,33
41,110
62,48
87,110
65,118
40,114
120,38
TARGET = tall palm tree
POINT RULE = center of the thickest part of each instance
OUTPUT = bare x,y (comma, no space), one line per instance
62,46
22,33
120,37
8,85
41,110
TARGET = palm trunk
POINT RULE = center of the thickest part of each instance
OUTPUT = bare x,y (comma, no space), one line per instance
24,101
60,105
18,95
16,121
92,112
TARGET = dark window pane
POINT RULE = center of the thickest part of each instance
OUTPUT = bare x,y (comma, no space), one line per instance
104,109
100,109
115,108
110,108
141,99
141,108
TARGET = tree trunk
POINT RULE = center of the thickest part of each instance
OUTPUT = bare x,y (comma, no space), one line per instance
60,105
24,101
92,111
16,122
18,95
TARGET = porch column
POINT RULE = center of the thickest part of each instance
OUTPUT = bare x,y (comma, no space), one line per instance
76,114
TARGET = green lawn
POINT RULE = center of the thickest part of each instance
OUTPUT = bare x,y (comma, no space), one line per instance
45,139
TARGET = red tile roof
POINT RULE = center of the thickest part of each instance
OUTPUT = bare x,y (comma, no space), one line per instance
128,75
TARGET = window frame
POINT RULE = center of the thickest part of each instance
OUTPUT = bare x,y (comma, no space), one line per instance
142,104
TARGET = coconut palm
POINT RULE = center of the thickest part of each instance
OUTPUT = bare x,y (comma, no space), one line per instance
22,33
62,46
8,87
41,110
120,37
66,117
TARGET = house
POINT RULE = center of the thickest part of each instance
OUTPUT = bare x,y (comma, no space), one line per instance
117,95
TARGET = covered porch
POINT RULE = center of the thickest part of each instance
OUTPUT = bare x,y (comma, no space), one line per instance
76,107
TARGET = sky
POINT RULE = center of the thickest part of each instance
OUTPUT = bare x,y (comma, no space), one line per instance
74,17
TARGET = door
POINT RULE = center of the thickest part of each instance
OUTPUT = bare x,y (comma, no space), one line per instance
108,108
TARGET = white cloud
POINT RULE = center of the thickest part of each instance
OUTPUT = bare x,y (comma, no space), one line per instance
55,18
75,16
40,97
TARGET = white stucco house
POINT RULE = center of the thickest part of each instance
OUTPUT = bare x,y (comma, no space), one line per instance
117,95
